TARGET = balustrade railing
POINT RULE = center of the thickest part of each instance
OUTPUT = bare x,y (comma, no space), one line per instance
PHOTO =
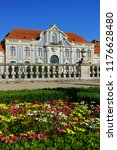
19,72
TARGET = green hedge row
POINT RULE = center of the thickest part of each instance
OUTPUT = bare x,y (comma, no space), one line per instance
73,94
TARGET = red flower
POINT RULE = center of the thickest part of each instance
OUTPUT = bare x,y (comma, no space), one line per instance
59,129
24,138
2,138
32,135
71,118
41,136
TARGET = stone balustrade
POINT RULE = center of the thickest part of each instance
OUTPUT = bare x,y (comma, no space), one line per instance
31,72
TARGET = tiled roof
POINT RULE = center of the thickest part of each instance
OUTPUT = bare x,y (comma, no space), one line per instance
35,34
1,47
97,47
24,34
74,37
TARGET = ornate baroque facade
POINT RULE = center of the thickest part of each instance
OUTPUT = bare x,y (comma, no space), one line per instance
47,46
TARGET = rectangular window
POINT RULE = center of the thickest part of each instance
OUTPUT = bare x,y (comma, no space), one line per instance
39,52
77,53
12,51
27,51
66,52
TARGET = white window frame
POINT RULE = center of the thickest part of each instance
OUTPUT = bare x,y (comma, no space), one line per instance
27,51
89,53
77,53
67,52
39,52
12,51
54,37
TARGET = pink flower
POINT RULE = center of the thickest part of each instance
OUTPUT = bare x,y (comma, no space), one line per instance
41,136
67,124
20,109
24,138
59,129
12,110
2,138
33,135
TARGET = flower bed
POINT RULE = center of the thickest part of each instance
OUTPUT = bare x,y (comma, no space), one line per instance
46,122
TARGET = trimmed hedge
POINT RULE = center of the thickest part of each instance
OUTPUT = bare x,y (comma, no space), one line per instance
73,94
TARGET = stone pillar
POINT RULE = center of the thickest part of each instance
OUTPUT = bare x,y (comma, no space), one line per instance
85,71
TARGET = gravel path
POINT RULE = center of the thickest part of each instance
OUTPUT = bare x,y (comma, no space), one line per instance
48,84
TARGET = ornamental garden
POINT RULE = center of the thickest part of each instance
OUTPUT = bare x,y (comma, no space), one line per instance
50,119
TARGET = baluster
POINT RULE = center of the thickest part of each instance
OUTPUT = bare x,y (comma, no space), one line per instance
37,72
31,72
64,72
13,72
7,73
43,72
20,72
74,71
54,73
93,72
25,72
70,72
48,72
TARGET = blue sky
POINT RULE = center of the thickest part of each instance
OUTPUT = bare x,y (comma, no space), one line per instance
79,16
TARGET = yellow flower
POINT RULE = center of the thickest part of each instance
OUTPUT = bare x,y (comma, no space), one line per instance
23,134
11,135
79,129
0,132
79,114
3,106
70,131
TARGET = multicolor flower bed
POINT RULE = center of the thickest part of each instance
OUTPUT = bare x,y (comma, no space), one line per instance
46,121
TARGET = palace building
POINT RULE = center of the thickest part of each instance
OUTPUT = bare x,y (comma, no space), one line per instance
48,46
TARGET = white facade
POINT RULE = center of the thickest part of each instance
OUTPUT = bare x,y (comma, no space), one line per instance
53,46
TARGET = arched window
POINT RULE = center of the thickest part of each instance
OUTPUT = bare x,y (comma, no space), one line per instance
27,51
89,53
12,51
54,59
77,53
54,37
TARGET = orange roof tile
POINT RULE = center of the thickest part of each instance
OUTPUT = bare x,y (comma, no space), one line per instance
74,37
24,34
34,34
97,47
